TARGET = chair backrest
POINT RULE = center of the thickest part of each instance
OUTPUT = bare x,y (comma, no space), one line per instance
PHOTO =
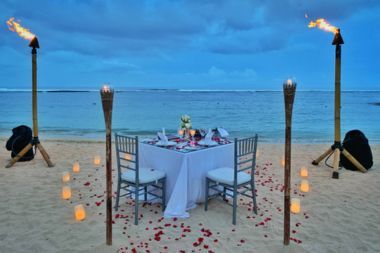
127,153
245,155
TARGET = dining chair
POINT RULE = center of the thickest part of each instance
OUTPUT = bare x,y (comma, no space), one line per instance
133,179
234,181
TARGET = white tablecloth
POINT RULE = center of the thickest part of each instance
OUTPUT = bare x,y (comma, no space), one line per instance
185,173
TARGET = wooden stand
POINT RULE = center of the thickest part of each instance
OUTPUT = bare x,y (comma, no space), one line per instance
289,94
337,147
35,141
107,102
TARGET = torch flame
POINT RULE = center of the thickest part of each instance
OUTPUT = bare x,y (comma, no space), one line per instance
106,88
21,31
322,24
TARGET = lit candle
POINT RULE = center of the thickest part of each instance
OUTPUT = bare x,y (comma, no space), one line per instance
192,132
282,162
97,160
289,82
66,192
76,167
304,172
106,88
295,206
80,212
65,176
180,132
304,186
128,157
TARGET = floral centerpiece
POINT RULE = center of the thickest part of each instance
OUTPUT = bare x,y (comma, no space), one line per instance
185,122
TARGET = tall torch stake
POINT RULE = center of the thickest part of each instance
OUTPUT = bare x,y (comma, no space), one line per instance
337,148
106,95
26,34
289,94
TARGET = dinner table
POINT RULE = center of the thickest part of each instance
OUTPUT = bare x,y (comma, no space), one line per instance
186,162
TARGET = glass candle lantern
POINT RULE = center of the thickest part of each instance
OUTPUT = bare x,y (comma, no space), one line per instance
76,167
304,172
80,212
295,206
128,157
97,160
304,186
66,177
66,192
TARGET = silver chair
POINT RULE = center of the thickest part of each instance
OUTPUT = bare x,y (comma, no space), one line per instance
132,178
232,180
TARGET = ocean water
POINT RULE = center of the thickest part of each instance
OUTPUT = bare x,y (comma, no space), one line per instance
78,115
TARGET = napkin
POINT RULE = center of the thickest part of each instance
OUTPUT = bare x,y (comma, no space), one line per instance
223,132
162,137
208,137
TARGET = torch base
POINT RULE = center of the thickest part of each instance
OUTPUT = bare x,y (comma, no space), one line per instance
338,148
35,142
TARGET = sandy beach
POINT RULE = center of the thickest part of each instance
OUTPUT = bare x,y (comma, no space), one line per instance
200,83
336,216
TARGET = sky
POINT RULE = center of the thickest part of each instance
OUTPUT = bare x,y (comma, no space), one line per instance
199,44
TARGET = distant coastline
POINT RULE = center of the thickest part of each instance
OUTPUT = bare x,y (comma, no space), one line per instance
171,90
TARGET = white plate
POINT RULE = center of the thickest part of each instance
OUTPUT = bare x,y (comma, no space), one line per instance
209,144
167,144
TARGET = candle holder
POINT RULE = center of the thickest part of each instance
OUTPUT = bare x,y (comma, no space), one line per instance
66,177
337,148
76,167
192,133
304,186
97,160
289,94
79,212
295,205
106,95
304,172
66,192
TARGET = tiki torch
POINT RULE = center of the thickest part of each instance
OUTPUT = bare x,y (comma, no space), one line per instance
26,34
106,95
337,148
289,94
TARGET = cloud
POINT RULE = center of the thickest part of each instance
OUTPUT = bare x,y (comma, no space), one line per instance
214,71
157,41
227,26
222,76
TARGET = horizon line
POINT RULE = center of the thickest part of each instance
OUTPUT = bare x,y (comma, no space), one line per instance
171,89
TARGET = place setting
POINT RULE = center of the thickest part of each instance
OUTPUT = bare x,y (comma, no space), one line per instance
188,139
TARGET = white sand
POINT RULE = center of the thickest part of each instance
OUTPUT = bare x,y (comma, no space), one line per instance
337,215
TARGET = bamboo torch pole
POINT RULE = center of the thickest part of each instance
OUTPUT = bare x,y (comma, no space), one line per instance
339,149
34,44
289,94
338,41
106,95
34,88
